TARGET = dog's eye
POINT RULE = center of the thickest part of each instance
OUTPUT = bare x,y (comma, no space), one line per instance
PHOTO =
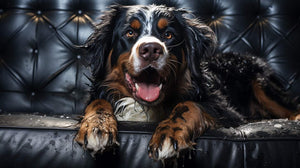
130,33
168,35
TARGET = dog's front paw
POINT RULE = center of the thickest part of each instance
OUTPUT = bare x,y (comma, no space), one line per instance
97,132
169,139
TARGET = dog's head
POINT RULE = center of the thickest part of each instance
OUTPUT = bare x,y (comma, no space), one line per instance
150,53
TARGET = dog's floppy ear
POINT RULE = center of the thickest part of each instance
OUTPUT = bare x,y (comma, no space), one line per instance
200,42
98,46
99,43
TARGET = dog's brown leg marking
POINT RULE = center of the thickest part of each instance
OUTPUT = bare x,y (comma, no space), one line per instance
272,106
98,128
178,111
186,122
295,116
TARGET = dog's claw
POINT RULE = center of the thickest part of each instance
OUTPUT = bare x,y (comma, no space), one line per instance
110,139
175,145
85,141
156,153
149,149
99,133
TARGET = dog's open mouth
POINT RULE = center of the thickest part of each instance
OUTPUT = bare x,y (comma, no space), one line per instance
146,86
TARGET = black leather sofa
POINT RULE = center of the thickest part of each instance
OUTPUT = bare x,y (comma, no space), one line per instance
44,84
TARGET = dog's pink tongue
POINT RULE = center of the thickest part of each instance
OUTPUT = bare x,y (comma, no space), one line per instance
148,92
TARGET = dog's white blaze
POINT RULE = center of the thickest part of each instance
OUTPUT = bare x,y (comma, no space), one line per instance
149,20
134,57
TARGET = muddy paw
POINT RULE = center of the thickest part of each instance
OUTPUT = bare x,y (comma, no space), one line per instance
169,140
98,132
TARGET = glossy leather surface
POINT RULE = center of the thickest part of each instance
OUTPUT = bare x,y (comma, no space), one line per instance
42,72
264,144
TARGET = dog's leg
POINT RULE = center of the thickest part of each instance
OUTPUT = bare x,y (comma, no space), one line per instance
270,99
98,129
269,104
186,122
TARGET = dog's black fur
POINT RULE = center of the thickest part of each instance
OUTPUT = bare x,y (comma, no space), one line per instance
227,86
221,82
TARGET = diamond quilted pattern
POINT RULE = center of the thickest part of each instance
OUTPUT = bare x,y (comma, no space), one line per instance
41,70
266,28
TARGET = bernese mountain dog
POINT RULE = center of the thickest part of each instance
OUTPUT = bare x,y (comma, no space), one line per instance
157,64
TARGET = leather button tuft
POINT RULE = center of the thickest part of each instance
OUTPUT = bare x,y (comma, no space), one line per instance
78,57
32,93
39,12
79,12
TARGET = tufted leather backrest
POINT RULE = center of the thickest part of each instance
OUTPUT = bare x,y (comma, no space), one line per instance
42,71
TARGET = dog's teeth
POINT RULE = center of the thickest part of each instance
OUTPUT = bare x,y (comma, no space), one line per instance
136,86
160,86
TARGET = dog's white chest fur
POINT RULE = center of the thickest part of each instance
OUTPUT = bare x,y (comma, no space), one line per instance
128,109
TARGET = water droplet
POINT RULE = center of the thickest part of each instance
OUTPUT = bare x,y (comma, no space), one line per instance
278,126
190,154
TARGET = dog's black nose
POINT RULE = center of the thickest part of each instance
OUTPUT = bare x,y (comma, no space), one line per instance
150,51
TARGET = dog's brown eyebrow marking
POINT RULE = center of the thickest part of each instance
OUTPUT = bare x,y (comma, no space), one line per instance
136,24
162,23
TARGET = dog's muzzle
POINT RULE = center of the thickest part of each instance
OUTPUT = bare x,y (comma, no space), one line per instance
148,57
148,52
